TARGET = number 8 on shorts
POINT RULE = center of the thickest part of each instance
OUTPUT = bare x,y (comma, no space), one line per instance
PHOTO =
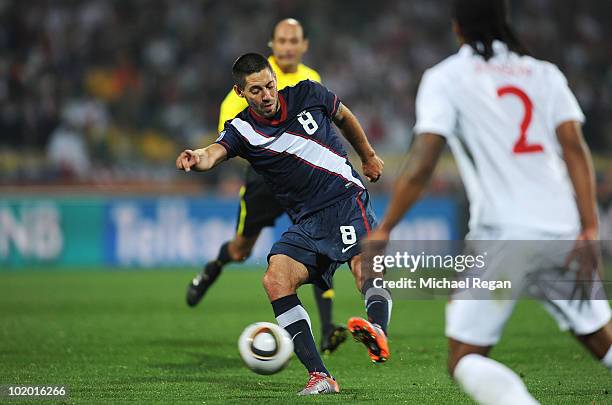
349,236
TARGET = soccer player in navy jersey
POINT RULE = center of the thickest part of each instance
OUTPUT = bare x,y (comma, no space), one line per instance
288,137
258,208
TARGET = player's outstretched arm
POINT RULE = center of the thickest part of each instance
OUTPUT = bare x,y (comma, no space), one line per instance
580,169
412,181
201,159
353,132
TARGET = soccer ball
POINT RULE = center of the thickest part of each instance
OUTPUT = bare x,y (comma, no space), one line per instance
265,347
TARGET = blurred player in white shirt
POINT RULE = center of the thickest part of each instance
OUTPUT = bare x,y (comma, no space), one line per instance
514,127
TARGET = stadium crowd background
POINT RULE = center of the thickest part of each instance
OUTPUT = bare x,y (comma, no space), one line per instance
103,92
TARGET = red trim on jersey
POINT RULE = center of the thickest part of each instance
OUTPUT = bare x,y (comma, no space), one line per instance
315,166
299,158
259,132
320,168
254,129
227,147
264,120
317,142
335,106
363,213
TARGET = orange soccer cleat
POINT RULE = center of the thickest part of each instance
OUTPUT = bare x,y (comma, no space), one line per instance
372,336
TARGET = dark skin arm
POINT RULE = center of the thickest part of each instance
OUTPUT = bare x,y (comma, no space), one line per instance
351,129
412,181
580,169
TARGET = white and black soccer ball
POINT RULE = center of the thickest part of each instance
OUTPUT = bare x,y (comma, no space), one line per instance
265,348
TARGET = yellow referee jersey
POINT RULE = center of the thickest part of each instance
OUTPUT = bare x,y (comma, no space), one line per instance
232,104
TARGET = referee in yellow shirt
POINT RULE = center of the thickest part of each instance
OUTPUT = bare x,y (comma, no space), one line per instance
258,207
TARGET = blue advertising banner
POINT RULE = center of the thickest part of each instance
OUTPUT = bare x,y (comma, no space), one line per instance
47,231
163,232
166,232
158,231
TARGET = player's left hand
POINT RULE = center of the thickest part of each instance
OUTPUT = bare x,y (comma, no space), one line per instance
373,168
376,242
379,235
586,253
374,245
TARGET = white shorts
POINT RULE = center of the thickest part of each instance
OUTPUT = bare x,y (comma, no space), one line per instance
481,322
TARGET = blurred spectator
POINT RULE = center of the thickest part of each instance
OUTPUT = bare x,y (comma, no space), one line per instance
141,79
67,152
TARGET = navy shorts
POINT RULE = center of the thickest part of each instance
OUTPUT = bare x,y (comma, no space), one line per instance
328,238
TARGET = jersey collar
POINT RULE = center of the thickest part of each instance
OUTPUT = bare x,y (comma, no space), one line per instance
499,48
265,121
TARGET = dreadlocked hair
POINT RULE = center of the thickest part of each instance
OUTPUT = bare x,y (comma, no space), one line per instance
483,21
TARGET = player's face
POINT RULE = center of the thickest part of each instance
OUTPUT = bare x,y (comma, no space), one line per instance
261,93
288,45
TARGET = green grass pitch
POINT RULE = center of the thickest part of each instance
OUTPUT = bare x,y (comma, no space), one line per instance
115,336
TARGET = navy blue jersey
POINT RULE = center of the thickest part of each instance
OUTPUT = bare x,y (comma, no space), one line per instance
298,152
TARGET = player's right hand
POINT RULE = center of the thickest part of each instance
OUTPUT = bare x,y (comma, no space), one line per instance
187,159
373,168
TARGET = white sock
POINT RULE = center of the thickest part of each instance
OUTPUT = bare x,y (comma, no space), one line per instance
488,382
607,359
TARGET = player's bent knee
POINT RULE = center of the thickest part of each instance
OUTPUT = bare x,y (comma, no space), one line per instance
278,282
272,281
273,287
240,256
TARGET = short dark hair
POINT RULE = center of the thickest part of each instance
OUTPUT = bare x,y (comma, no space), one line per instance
483,21
247,64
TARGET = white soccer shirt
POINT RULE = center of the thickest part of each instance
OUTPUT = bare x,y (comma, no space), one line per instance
499,118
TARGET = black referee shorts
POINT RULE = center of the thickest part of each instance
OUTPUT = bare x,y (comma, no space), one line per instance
258,206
